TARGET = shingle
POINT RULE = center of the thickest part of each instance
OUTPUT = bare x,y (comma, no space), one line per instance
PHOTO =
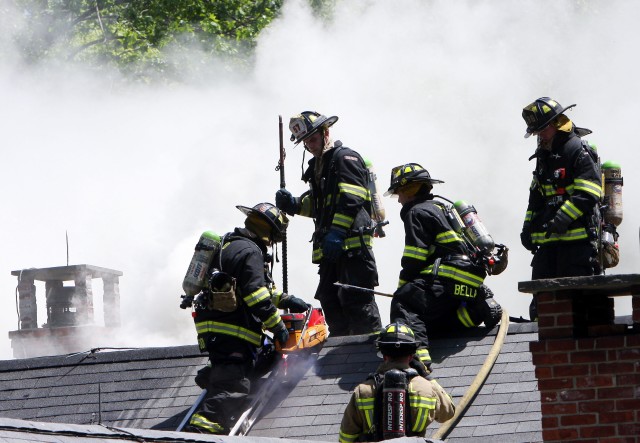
506,408
515,387
530,426
523,417
495,429
154,387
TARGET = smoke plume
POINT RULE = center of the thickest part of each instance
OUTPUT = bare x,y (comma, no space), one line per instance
134,174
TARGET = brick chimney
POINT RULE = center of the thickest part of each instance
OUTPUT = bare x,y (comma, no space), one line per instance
588,367
70,316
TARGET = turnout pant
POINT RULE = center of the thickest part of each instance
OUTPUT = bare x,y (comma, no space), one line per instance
227,390
569,259
348,311
426,308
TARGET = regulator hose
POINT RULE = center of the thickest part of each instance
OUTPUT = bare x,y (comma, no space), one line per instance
478,381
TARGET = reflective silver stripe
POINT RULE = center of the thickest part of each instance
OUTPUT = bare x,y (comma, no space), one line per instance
456,274
273,320
417,253
423,405
354,242
257,296
528,216
358,191
202,422
571,210
593,188
448,237
347,438
228,329
366,405
463,316
539,238
342,220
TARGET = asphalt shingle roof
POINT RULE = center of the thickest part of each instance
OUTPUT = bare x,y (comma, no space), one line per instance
153,388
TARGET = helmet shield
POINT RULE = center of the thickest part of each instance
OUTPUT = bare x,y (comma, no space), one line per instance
272,215
397,340
540,113
305,124
408,173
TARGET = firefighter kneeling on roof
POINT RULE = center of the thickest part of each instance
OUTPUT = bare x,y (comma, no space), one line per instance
232,332
441,281
395,401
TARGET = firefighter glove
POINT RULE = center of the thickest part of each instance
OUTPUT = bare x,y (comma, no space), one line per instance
286,202
281,334
422,369
293,303
202,377
332,244
558,224
525,238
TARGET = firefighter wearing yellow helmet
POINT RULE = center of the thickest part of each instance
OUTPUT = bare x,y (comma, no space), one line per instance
339,201
560,225
409,402
441,281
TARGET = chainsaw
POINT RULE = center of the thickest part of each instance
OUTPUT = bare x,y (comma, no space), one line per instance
307,333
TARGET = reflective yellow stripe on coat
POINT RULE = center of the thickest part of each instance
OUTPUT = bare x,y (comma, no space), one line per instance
215,327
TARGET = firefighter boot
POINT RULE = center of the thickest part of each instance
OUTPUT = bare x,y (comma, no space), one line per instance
492,312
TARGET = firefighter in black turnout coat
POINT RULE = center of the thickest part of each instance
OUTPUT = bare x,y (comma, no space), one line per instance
339,201
231,330
561,222
440,287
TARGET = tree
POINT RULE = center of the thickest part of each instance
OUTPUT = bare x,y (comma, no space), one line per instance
141,37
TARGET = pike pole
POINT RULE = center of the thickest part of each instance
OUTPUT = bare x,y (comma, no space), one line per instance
283,185
361,289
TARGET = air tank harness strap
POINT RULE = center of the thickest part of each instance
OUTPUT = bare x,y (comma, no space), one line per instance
361,231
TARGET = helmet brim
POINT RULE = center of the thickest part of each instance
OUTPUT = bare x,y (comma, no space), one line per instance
250,211
330,121
392,189
543,125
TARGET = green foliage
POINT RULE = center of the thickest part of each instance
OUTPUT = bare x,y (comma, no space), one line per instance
144,38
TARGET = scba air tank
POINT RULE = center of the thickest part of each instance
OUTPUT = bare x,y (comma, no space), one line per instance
394,404
473,226
205,249
612,192
376,197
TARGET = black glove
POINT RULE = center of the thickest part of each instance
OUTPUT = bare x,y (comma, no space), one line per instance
202,377
525,238
286,202
281,334
293,303
418,365
558,224
332,244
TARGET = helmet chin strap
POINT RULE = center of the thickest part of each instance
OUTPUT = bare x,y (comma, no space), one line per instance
304,153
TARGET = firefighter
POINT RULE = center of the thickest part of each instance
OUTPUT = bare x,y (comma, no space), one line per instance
339,201
440,286
561,221
231,333
423,399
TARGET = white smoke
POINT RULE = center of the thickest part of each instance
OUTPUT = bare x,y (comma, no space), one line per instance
135,175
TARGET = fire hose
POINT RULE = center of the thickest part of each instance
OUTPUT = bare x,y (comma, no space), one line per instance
478,381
